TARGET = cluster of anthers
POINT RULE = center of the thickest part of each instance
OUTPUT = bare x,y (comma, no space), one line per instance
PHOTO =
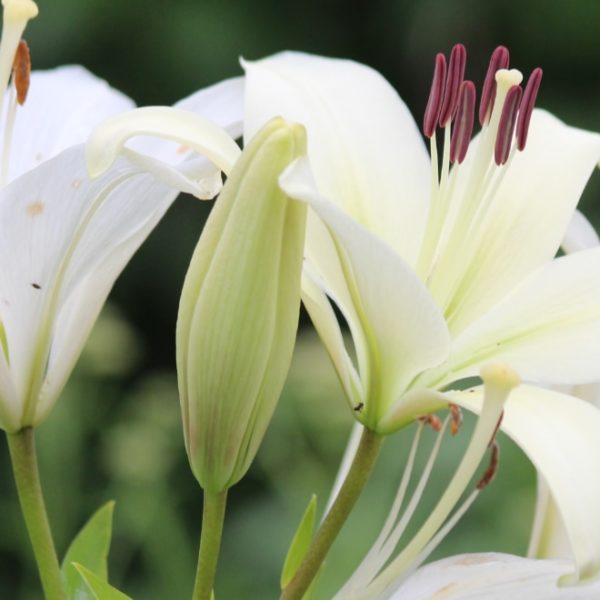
452,101
456,420
505,112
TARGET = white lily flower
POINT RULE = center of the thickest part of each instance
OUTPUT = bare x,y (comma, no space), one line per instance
438,271
492,575
65,238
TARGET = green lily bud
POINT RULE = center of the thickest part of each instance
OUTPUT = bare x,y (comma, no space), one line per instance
239,309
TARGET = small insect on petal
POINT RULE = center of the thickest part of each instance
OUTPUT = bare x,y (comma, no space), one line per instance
456,74
434,104
526,107
506,128
499,60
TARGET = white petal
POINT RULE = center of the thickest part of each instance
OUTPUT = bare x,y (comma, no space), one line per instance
548,328
323,317
580,234
222,103
561,436
548,536
367,153
187,128
492,576
533,207
74,236
62,107
402,328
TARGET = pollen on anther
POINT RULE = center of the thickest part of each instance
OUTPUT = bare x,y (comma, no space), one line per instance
432,420
526,106
499,60
506,127
490,472
457,418
463,123
434,103
454,79
22,71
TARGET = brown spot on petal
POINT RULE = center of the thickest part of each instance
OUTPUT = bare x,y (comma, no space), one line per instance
183,149
35,209
76,184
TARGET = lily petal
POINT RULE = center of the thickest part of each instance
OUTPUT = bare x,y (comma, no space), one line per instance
531,212
222,103
78,235
402,328
185,127
367,153
561,436
548,328
580,234
492,575
63,105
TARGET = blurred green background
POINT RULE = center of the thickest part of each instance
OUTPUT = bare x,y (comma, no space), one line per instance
116,433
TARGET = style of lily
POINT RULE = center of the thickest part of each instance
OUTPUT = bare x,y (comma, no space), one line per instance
441,270
66,238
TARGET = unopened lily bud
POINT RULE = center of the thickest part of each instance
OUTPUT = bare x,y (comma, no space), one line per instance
239,308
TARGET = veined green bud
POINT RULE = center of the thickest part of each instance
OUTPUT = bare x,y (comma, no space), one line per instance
239,309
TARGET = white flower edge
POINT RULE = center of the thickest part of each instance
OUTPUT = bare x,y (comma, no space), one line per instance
493,575
560,434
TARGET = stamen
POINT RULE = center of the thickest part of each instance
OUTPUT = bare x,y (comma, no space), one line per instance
16,15
490,472
22,71
526,107
456,74
463,124
498,60
506,126
457,418
434,104
432,420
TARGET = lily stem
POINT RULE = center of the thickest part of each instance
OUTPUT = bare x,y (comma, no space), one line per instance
213,516
357,477
25,470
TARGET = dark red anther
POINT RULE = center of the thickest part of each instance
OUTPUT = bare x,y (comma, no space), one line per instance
498,60
526,107
463,122
22,71
506,127
434,104
456,74
490,472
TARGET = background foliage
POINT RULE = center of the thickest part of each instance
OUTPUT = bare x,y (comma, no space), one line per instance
116,432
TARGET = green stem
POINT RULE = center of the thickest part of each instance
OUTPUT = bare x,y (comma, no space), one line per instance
213,515
357,477
27,479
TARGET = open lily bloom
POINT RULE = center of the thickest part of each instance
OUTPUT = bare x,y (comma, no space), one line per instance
64,238
491,575
440,270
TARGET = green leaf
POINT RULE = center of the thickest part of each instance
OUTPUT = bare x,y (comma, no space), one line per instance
90,549
300,543
97,588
